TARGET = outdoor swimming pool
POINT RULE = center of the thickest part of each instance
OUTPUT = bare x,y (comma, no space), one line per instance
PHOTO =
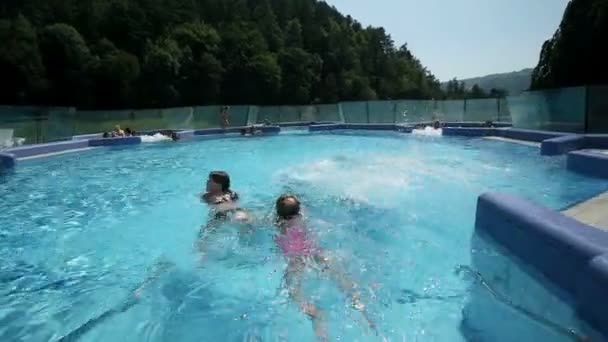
80,231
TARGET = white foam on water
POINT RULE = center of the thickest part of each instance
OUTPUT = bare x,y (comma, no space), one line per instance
378,180
154,138
428,131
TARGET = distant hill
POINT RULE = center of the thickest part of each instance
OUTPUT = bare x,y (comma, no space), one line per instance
513,82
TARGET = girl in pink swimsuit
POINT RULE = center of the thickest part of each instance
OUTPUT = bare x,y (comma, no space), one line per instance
301,252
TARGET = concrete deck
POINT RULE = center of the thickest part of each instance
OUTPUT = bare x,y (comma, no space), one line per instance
514,141
593,212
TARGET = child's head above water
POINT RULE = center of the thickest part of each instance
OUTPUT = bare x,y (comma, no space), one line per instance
218,181
288,206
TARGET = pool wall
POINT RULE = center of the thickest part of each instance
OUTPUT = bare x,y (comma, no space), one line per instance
572,256
7,161
589,163
528,306
114,141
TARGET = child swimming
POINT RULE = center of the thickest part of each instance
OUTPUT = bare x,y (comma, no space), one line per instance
301,253
222,200
224,207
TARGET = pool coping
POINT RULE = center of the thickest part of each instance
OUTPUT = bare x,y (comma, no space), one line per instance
589,211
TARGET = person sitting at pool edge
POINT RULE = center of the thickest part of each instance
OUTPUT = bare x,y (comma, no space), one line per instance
118,132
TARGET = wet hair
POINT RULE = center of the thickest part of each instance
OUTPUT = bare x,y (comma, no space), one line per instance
288,206
174,136
436,125
221,178
106,134
128,131
489,123
243,131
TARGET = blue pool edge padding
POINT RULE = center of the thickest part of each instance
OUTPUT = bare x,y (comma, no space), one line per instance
54,147
571,255
7,161
562,145
114,141
589,163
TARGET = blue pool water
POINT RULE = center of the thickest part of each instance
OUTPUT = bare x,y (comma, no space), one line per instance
78,232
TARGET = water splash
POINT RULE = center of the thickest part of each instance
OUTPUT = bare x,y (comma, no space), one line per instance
428,131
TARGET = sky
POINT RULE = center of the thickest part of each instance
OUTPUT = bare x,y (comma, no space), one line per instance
464,38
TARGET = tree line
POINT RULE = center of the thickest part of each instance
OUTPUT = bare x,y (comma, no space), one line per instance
161,53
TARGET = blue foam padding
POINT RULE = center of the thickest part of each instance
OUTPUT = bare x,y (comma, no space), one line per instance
599,141
269,129
325,127
588,163
467,131
38,149
7,161
208,131
562,145
304,123
211,131
473,124
374,127
187,134
592,295
88,136
115,141
557,246
371,127
528,134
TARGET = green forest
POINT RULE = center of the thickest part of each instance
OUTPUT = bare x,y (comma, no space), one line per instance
161,53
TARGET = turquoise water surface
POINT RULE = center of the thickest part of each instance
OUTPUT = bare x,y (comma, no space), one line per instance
80,231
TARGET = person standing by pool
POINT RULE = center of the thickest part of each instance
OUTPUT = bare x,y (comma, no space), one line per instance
224,117
302,253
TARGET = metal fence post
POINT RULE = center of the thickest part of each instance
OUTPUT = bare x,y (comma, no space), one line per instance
586,109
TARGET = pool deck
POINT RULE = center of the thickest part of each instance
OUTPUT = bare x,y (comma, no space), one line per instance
514,141
593,212
52,154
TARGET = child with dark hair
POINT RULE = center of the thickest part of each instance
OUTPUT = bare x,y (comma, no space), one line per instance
302,253
223,202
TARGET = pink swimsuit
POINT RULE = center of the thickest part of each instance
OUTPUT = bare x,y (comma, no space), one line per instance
295,242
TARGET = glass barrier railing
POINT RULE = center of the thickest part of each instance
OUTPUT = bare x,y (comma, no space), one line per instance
580,109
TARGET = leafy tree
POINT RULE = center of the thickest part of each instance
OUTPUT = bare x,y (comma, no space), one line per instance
300,70
267,22
293,34
162,63
112,78
23,74
477,92
158,53
65,55
575,55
